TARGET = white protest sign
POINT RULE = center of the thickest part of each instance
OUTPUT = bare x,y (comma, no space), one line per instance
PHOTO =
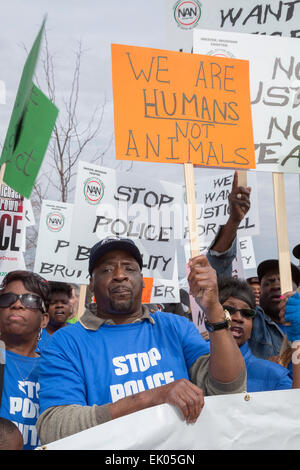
51,259
10,262
237,264
247,252
252,16
256,421
274,89
109,203
11,229
29,219
166,290
198,315
213,207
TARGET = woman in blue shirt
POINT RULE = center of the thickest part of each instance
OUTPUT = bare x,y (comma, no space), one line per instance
237,297
22,314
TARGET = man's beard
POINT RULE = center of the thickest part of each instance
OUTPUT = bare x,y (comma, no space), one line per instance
121,307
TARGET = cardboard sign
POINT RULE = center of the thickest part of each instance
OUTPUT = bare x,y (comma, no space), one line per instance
51,258
181,108
275,92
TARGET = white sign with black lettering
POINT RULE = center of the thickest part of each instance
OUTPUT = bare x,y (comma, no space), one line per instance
117,204
51,259
166,290
275,93
276,17
247,252
213,206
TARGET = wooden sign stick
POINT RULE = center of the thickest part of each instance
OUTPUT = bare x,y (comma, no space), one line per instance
191,208
81,301
282,233
242,178
2,171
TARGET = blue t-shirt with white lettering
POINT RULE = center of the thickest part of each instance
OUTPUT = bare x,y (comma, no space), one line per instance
87,367
20,395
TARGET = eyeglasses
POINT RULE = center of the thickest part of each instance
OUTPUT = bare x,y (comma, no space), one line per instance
31,301
245,312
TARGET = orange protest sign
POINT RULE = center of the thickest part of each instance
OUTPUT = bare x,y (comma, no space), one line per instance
147,291
175,107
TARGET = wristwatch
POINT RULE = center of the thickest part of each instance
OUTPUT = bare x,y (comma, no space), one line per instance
226,324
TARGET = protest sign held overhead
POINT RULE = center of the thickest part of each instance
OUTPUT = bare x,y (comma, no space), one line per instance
31,124
22,98
38,122
275,92
278,18
175,107
212,209
51,258
116,204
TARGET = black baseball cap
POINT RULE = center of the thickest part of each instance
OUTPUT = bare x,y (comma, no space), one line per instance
109,244
270,264
296,251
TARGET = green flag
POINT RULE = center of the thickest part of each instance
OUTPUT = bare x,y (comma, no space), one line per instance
34,135
23,94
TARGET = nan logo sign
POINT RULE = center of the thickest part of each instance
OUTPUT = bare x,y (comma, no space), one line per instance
93,190
187,13
55,221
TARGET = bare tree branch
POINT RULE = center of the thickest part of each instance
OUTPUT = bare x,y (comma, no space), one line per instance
70,138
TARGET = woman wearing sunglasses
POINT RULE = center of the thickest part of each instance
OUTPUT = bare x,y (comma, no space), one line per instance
237,297
23,296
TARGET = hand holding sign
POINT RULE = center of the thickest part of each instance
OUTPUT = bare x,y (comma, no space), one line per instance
203,278
239,200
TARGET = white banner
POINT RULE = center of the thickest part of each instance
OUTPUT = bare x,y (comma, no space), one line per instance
51,259
256,421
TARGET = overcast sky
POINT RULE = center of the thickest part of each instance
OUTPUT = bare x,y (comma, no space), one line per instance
97,24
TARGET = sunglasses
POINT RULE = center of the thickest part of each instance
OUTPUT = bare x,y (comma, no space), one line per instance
31,301
245,312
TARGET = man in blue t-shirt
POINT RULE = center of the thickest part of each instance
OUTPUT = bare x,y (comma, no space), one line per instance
120,358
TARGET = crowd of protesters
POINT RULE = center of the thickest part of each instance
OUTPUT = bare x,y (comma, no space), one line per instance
119,349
